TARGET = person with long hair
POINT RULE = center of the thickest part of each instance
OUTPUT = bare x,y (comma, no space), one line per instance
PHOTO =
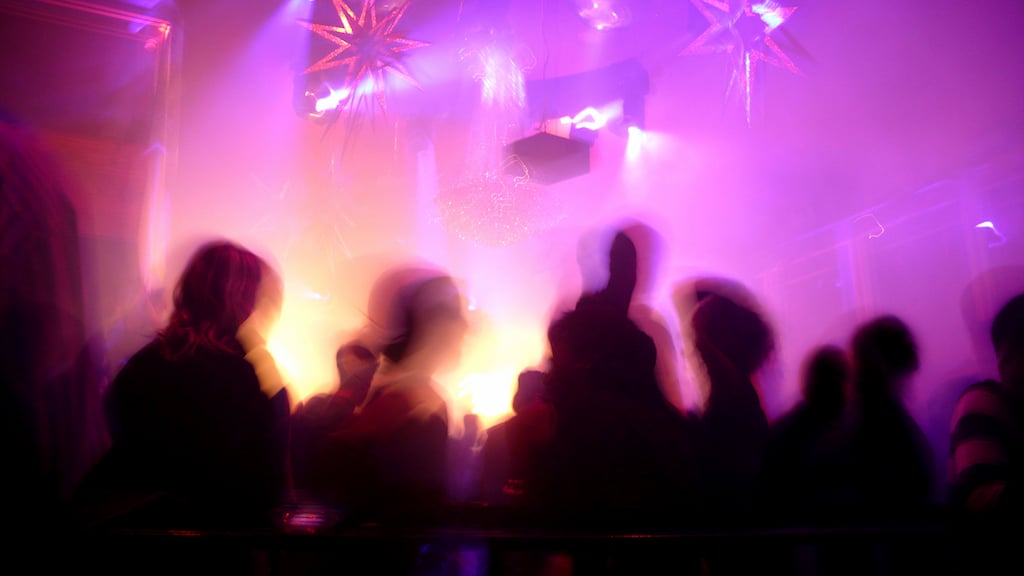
199,416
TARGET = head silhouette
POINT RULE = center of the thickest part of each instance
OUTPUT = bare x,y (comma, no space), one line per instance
650,248
738,333
884,356
218,291
530,387
1008,341
825,376
617,294
427,323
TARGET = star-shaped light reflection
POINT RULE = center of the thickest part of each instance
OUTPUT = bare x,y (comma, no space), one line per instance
368,46
744,33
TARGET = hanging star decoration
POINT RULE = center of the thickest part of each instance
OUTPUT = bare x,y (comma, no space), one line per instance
743,29
368,49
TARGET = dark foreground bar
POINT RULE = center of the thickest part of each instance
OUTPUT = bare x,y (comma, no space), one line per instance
309,540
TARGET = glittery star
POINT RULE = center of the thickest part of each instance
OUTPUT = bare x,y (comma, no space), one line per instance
745,34
367,45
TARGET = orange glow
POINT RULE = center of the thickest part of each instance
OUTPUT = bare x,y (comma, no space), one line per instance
312,326
304,342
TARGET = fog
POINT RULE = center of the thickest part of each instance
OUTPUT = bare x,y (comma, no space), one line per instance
862,185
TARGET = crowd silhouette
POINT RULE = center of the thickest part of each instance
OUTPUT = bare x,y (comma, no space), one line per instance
202,433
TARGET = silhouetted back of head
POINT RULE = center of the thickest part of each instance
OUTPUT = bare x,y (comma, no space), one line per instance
981,300
733,330
825,376
884,355
216,293
427,321
530,387
650,246
622,275
1008,340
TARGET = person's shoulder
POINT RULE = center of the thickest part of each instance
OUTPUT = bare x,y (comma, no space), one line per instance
222,360
791,422
982,410
987,386
985,396
147,358
149,353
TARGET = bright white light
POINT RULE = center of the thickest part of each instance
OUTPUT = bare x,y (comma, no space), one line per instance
635,142
331,101
489,394
590,118
988,224
313,295
602,15
770,13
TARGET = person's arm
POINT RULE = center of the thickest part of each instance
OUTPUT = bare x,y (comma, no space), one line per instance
250,336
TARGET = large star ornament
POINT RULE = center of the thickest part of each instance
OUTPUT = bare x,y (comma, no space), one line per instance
367,46
743,29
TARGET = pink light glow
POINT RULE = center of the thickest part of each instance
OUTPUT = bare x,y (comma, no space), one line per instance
775,205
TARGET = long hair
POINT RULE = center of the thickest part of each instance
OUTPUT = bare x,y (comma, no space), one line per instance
215,294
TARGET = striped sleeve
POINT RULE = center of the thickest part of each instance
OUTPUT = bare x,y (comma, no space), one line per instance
978,448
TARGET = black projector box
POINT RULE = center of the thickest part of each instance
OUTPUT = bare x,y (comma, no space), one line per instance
549,158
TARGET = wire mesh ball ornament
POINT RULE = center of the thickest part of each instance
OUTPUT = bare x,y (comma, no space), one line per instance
498,207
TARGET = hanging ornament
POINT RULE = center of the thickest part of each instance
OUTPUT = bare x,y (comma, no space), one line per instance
496,202
368,50
497,208
743,29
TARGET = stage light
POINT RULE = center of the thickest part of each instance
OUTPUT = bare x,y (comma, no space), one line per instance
589,118
634,142
634,112
332,100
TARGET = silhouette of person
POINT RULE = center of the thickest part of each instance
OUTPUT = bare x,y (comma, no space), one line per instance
987,440
619,448
730,340
987,452
515,448
50,377
199,416
803,467
632,270
892,474
388,462
322,414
